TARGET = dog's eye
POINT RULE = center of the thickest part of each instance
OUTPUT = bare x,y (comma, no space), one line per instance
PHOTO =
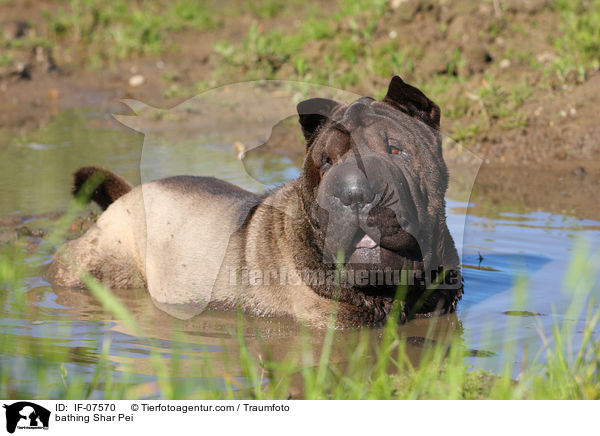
325,162
397,150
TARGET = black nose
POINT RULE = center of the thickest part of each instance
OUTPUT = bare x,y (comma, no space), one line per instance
352,188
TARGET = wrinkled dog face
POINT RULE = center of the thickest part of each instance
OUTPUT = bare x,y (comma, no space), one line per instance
374,181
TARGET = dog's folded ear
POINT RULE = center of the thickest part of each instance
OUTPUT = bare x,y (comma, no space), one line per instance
413,102
313,113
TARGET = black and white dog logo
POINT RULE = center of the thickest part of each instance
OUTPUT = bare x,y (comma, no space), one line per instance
26,415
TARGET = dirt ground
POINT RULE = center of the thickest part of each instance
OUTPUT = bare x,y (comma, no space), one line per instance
558,132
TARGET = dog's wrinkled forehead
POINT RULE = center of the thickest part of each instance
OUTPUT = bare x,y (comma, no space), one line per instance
368,125
399,135
355,115
403,104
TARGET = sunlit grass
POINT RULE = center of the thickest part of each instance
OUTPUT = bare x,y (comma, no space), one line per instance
578,43
119,29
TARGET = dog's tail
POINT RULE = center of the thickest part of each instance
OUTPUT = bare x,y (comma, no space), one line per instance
99,185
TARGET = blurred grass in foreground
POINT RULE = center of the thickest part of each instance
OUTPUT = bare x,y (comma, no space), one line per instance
53,370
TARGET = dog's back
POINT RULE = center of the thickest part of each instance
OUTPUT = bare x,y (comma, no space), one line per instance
150,236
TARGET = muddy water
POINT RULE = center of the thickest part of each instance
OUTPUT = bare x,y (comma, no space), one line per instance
501,242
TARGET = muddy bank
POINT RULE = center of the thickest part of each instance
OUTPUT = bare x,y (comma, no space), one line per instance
556,188
493,70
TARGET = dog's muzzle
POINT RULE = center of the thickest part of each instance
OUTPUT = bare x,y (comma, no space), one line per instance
366,220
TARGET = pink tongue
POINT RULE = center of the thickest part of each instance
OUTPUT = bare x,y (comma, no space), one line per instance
366,242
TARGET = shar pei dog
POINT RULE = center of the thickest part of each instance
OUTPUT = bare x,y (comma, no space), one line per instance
360,232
